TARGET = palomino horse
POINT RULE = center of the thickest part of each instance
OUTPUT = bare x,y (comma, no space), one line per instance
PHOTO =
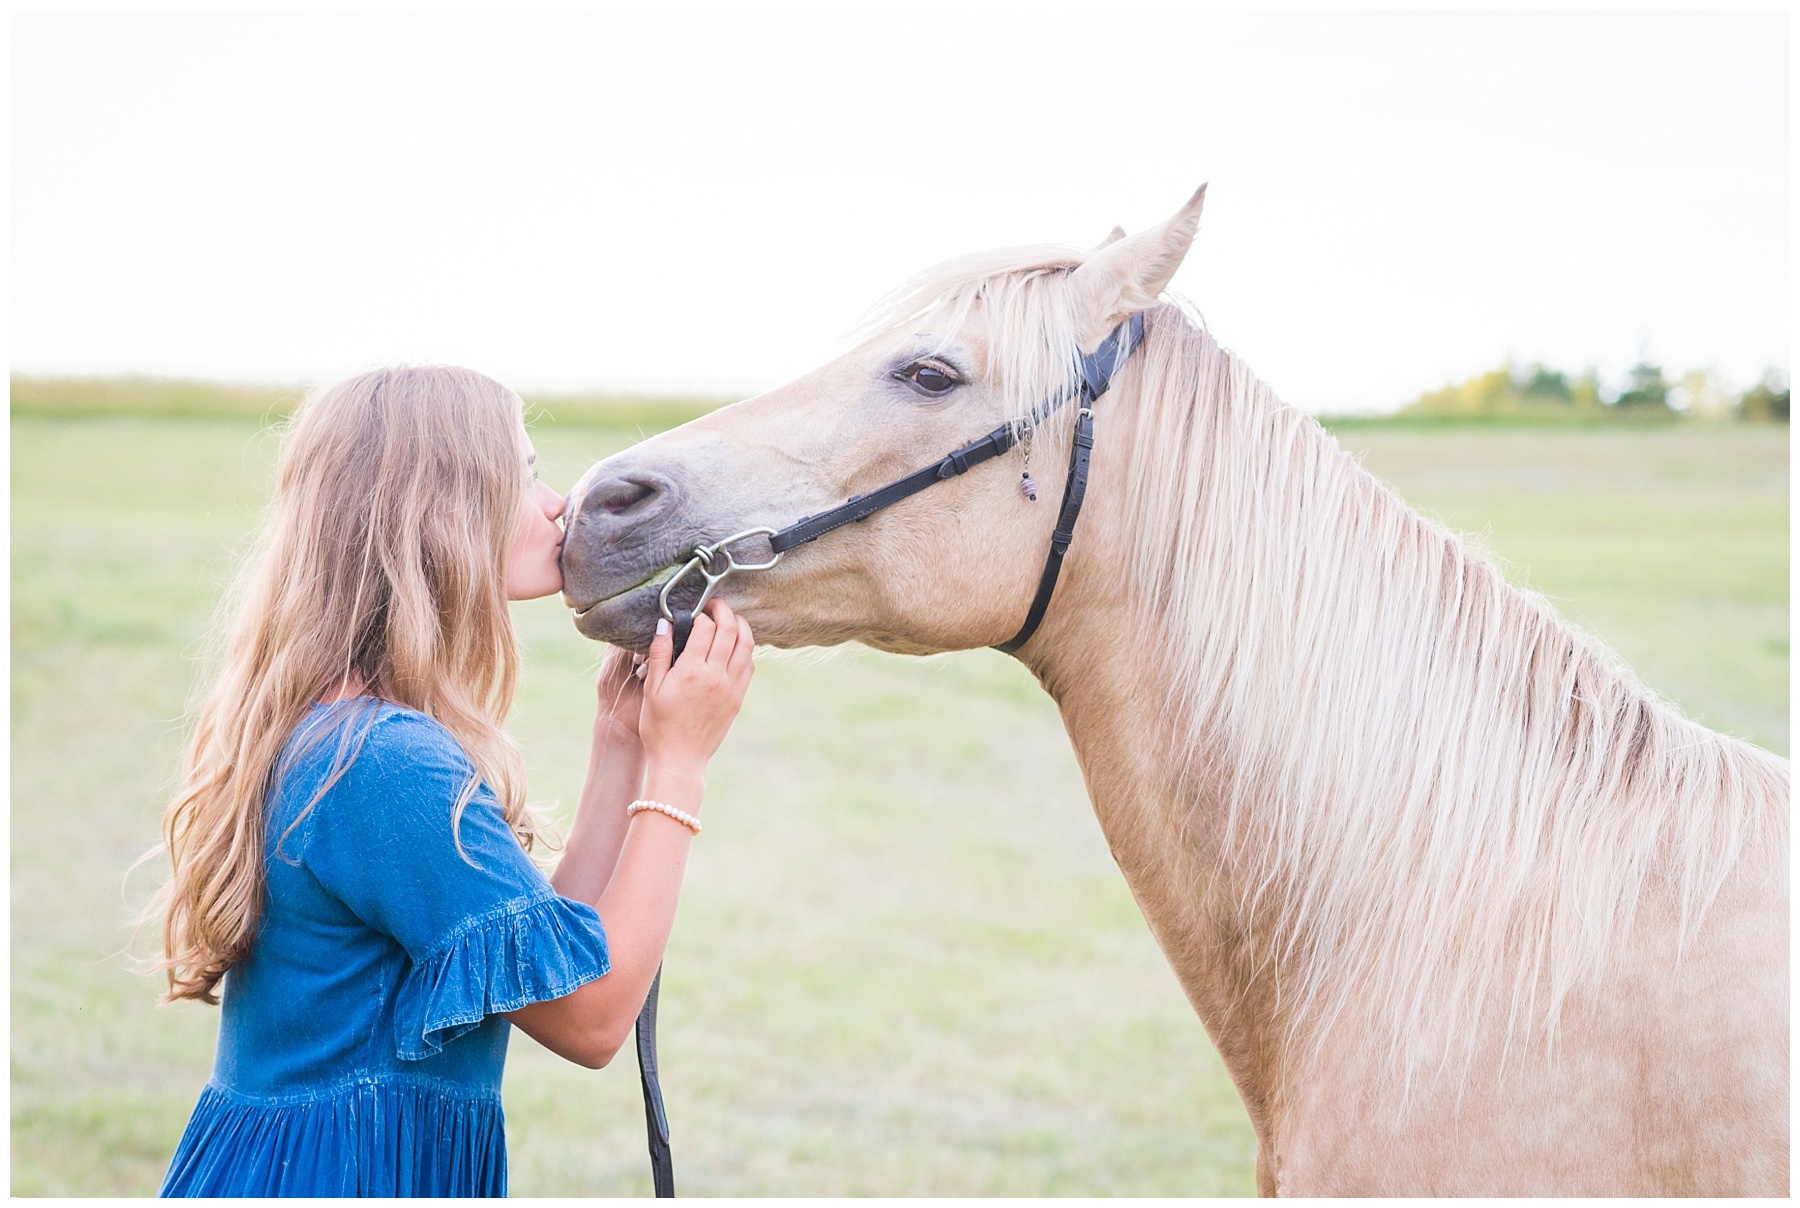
1465,908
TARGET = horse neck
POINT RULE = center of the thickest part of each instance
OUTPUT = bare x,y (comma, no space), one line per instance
1330,745
1113,674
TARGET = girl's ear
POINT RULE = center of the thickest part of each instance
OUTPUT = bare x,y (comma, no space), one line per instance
1126,275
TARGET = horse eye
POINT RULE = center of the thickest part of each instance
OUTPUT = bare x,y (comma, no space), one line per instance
930,380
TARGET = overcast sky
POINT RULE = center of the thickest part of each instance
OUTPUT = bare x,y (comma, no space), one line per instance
710,202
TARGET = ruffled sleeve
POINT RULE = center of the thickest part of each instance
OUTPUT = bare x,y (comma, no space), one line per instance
482,928
530,951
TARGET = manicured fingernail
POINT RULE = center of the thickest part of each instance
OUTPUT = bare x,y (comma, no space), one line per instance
662,626
639,673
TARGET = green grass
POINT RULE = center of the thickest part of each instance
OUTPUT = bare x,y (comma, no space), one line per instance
905,962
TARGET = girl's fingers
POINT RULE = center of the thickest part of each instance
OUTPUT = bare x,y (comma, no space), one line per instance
686,717
746,646
700,638
662,652
725,636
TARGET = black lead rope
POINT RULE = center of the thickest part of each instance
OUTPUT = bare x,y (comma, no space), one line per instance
1097,370
656,1120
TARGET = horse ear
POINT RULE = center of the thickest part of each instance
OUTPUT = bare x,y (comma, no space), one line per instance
1117,234
1126,275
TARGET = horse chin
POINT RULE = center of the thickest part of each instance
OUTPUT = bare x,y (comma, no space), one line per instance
627,619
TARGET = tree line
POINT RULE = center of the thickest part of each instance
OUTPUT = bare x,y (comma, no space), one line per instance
1647,393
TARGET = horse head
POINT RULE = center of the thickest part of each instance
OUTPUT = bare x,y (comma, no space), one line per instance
976,344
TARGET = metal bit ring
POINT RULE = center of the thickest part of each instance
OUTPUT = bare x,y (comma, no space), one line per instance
703,559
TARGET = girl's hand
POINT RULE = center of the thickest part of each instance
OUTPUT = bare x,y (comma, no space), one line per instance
688,707
621,698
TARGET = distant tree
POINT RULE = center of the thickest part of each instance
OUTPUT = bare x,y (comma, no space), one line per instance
1538,392
1646,388
1543,384
1701,395
1484,394
1766,401
1584,391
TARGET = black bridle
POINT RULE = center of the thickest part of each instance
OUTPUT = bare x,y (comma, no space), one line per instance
1097,370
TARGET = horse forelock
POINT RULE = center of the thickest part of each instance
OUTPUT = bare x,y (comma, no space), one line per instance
1027,314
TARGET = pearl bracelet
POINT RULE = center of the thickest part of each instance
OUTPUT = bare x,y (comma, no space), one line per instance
686,819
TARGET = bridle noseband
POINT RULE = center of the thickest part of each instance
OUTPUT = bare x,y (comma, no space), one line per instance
715,562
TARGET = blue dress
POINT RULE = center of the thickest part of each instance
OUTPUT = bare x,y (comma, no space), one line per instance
360,1052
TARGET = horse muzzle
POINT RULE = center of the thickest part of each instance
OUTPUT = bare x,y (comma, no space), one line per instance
627,530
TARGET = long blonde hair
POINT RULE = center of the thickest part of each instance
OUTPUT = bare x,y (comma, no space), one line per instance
381,567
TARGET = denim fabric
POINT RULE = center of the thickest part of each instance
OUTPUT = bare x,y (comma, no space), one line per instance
360,1052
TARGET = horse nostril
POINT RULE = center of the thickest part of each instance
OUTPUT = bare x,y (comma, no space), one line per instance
622,495
621,501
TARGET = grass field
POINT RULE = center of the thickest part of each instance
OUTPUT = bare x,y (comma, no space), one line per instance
905,962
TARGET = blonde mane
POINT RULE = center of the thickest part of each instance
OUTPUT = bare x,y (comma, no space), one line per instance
1439,801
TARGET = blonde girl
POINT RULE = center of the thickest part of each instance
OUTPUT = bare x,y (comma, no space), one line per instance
348,844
